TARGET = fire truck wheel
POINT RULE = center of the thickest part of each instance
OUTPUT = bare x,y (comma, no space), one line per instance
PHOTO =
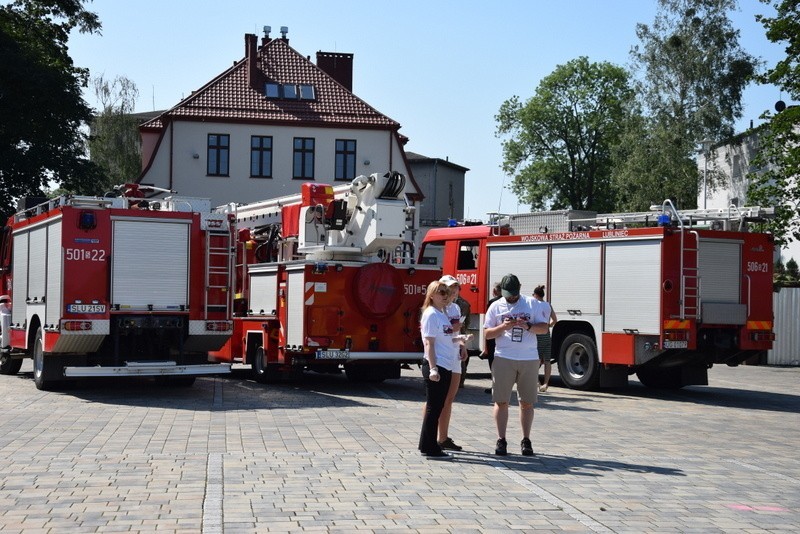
43,367
9,365
577,362
263,373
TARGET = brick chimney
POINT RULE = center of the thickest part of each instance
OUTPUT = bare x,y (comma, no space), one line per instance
251,59
337,66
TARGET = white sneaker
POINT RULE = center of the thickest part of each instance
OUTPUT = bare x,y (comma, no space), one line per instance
542,388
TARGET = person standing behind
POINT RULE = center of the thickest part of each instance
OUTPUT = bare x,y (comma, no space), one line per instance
458,320
437,368
509,321
488,344
543,341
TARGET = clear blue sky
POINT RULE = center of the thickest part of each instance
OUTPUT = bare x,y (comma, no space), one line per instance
440,68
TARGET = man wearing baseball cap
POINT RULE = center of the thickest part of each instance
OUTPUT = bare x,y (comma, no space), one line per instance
509,321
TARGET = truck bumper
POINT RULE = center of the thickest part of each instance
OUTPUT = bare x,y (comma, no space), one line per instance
164,368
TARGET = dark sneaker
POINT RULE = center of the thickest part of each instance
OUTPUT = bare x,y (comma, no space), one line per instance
449,444
527,448
440,455
501,449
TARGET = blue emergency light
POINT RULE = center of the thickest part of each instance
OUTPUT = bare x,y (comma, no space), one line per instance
87,220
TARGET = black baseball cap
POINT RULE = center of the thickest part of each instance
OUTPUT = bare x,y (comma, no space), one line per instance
510,286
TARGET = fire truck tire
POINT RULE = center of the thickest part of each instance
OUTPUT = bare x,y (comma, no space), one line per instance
43,368
9,365
660,377
578,365
263,373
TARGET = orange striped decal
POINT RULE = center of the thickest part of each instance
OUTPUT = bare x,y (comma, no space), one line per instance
759,325
672,324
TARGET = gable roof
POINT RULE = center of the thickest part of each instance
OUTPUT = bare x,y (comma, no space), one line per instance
230,97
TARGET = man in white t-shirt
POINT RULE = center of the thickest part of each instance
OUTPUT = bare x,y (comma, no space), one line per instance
510,321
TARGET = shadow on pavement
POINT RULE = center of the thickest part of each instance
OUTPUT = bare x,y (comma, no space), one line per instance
717,396
562,465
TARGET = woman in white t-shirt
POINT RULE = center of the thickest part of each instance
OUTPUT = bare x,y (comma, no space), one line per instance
543,341
441,359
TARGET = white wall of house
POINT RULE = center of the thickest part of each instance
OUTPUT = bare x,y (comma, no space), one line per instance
734,162
376,151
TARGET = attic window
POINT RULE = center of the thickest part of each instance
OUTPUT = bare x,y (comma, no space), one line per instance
289,91
272,90
307,92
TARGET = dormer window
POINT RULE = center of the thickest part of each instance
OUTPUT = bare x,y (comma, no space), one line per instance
272,90
307,92
289,91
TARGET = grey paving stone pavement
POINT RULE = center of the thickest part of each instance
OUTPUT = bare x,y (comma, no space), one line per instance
325,455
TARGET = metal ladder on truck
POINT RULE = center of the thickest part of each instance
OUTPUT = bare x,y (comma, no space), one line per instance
219,265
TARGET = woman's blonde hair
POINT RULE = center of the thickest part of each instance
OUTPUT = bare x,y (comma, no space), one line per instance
433,287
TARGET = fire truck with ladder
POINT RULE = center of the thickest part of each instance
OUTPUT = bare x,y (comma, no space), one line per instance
326,280
117,286
661,294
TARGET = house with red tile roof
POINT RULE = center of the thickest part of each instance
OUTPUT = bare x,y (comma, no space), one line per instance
271,121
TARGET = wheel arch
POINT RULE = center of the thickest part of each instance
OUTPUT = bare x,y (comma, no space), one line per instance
33,326
562,329
253,340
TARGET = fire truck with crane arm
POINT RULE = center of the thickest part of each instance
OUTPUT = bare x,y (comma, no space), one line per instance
326,280
117,286
661,294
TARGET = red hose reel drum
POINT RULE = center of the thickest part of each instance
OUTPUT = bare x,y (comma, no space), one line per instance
377,290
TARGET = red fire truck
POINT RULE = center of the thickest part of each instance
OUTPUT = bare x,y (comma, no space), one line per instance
117,287
326,280
661,294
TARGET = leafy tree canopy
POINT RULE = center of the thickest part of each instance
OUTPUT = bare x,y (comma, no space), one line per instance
114,140
558,144
41,105
776,182
693,75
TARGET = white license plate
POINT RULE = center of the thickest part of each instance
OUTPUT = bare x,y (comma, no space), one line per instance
332,354
86,308
676,344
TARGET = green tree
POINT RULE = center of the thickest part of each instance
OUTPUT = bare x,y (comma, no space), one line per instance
558,144
114,140
778,159
41,106
792,269
693,72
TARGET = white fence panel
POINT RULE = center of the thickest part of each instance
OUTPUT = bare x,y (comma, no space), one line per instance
786,348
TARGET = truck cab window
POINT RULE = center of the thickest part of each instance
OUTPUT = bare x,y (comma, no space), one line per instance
467,256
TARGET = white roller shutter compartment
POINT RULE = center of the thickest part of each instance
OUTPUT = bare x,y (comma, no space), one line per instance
633,286
150,264
54,275
528,263
720,271
575,277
